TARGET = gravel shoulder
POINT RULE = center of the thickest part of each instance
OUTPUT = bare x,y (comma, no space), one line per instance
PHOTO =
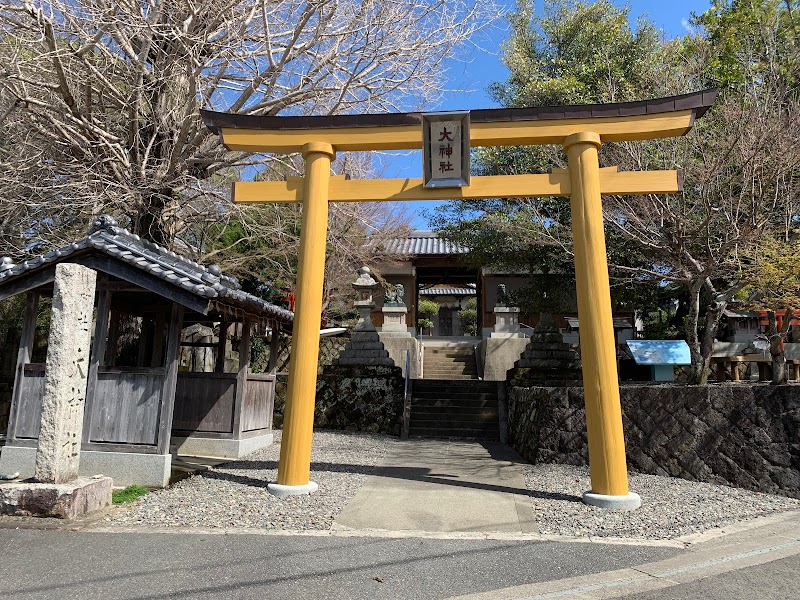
234,495
671,507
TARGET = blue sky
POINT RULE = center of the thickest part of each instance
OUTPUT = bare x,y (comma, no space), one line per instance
471,75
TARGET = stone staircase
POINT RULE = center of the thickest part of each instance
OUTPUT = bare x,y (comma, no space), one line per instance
449,361
460,408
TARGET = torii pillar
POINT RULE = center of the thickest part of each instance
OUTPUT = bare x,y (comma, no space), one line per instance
294,467
607,464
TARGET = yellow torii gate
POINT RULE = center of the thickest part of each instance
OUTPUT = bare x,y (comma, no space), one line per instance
580,129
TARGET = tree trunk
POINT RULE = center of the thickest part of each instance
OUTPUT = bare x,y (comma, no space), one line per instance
150,220
697,368
713,316
702,349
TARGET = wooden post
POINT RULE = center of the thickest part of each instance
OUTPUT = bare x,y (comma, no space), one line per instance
294,467
145,341
23,357
241,377
97,355
170,378
113,339
598,346
157,360
222,346
274,348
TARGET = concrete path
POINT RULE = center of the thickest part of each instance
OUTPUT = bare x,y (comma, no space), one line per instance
444,486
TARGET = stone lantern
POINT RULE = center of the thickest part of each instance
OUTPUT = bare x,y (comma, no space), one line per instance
364,286
364,347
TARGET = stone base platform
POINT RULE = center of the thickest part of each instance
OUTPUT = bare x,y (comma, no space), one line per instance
220,447
61,500
125,468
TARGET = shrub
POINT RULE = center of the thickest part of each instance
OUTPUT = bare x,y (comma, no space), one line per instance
468,317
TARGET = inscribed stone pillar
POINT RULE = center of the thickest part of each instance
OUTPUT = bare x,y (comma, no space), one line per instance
58,452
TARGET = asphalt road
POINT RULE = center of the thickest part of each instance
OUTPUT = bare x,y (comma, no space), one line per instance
776,580
144,566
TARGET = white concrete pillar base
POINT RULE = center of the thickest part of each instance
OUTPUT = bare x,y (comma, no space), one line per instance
276,489
629,502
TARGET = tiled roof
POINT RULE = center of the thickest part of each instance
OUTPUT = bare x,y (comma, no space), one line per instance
421,242
619,323
119,243
449,290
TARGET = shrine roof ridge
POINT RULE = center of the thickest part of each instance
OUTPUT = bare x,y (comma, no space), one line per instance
208,282
699,102
420,243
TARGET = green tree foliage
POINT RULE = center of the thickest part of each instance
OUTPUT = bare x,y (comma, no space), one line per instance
754,41
426,309
468,317
773,286
740,162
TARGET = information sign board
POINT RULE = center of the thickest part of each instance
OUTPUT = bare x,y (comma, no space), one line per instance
660,352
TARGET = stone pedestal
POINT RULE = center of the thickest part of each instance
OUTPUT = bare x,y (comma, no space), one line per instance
499,355
394,319
61,500
398,341
506,322
59,448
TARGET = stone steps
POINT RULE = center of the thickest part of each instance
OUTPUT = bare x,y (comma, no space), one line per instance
447,408
450,361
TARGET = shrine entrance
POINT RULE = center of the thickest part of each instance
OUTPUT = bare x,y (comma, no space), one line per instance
445,140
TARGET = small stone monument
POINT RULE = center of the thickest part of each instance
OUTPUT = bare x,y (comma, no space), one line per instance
547,360
399,343
56,489
395,311
365,346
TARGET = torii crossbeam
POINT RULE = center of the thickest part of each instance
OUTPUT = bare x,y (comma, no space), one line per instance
579,129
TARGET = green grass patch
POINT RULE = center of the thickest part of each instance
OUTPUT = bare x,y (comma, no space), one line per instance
129,494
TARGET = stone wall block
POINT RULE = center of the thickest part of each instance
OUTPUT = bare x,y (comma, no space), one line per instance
743,435
360,398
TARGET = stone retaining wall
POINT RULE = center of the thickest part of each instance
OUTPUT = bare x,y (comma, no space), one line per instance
742,435
360,398
353,398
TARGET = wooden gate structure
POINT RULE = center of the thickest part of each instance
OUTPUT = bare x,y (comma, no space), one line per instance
579,129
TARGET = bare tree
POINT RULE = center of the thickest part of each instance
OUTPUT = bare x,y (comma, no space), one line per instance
99,102
740,167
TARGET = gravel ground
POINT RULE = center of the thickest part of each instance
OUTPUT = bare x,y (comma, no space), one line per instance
670,508
234,495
